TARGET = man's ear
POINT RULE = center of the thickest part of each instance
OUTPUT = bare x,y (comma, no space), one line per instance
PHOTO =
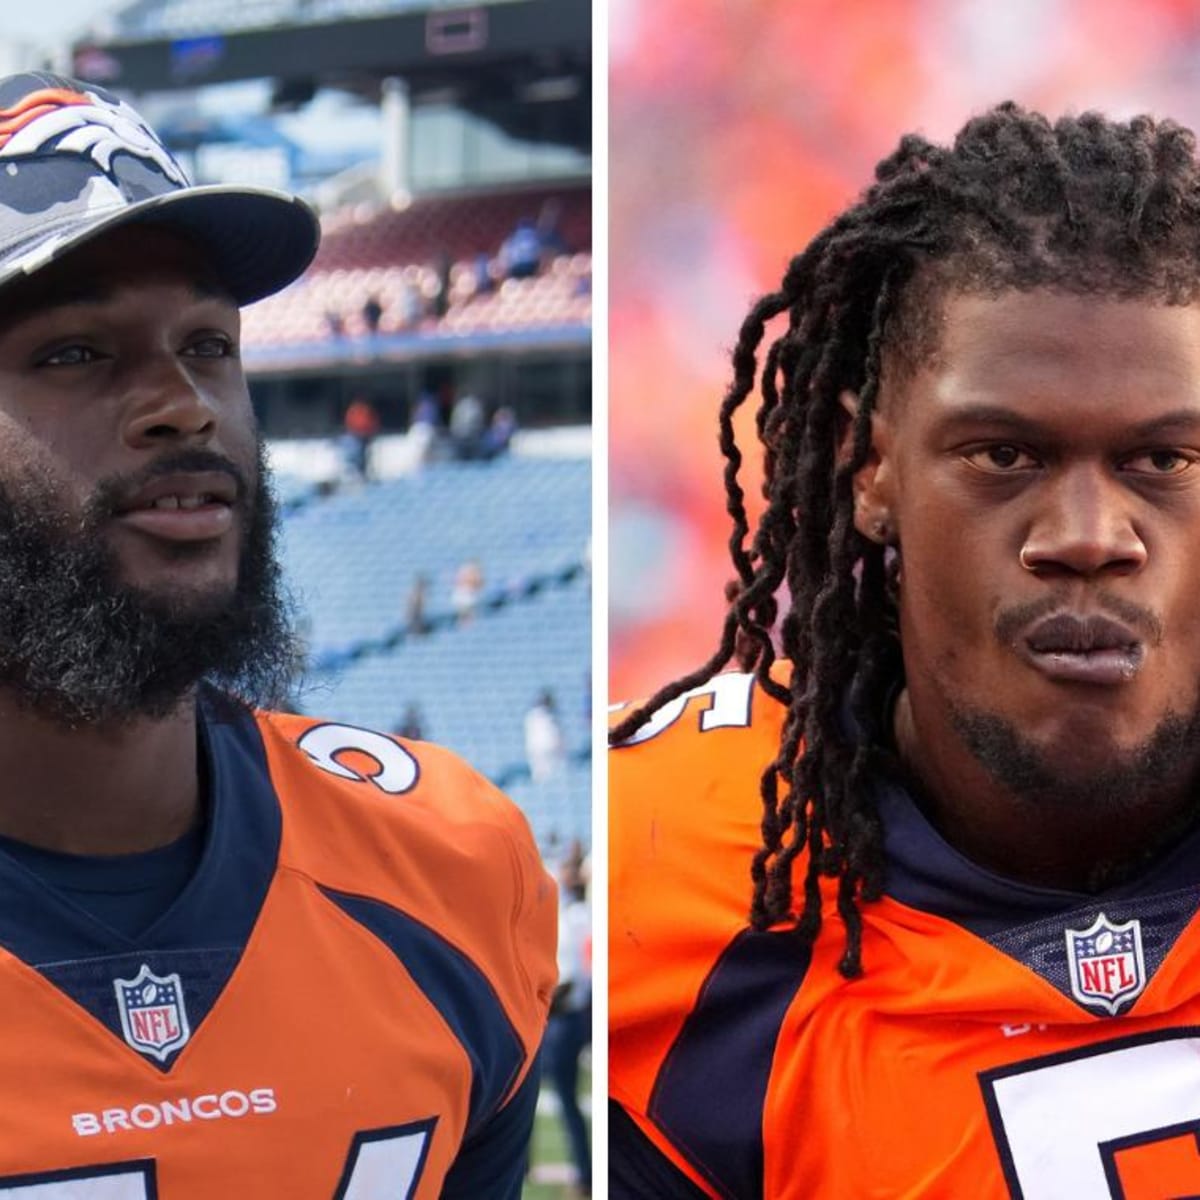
874,481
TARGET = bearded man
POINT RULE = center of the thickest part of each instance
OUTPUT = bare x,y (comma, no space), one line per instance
241,952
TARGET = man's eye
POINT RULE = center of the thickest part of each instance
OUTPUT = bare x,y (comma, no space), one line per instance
1000,457
214,346
1160,462
70,356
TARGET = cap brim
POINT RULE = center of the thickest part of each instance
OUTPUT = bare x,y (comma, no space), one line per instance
257,241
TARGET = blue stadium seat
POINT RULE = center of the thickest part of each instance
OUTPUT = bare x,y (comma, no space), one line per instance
351,560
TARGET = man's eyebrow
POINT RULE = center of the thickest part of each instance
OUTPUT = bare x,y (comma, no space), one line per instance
83,293
987,414
1181,420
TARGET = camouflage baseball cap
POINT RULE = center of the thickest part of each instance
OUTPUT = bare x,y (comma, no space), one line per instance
75,161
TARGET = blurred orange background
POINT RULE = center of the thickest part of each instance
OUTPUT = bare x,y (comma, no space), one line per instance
738,128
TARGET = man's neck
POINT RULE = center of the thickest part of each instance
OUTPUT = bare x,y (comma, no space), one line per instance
105,789
1046,845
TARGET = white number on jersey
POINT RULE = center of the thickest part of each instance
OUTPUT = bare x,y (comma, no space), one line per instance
383,1164
397,771
729,706
116,1181
1084,1123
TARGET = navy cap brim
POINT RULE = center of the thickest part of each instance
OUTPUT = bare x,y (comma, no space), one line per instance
256,241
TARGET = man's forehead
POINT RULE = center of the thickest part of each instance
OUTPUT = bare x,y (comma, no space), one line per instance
1046,324
125,260
1092,364
1011,329
73,293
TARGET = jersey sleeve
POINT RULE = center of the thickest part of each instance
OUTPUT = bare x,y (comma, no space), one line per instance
534,922
437,863
638,1170
493,1161
684,820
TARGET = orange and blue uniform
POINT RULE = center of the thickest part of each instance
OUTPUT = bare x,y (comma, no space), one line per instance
1005,1040
346,1000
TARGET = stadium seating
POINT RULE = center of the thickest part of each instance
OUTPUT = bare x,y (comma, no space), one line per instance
463,225
351,559
393,255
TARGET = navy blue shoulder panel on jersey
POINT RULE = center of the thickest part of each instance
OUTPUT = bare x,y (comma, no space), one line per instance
709,1095
492,1160
200,937
459,990
637,1169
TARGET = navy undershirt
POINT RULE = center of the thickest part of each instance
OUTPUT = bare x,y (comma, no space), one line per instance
127,892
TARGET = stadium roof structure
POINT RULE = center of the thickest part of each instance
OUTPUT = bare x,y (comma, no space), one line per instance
524,65
143,20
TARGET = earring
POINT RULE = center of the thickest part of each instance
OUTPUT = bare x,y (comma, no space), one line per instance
881,531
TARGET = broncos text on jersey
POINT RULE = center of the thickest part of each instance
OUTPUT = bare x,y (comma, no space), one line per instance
345,1001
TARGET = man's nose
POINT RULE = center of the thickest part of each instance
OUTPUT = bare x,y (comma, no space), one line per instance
1085,526
164,402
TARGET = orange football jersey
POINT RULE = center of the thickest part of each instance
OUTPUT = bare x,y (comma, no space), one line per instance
1003,1041
345,1000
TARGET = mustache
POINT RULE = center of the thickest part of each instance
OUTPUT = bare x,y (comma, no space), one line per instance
113,492
1010,623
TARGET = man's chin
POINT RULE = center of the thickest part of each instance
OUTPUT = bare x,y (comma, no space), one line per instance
1080,766
182,605
188,580
183,569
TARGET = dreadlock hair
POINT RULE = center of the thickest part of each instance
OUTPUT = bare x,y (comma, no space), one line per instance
1086,205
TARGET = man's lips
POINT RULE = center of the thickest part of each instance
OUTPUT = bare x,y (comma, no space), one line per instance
1082,649
182,506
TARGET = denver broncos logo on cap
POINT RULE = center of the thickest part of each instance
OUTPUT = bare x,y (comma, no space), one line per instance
83,124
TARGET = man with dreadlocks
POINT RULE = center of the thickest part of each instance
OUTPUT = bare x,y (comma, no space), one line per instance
912,909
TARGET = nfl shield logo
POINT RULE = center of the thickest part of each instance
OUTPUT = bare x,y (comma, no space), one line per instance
1106,964
153,1017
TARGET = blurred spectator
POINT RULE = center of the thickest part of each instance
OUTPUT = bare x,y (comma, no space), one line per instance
521,251
361,425
427,410
484,283
545,746
411,307
467,422
550,238
416,623
335,323
441,296
372,313
570,1026
499,433
412,724
425,430
468,587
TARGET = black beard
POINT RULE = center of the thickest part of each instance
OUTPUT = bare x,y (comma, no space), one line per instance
1121,784
81,647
